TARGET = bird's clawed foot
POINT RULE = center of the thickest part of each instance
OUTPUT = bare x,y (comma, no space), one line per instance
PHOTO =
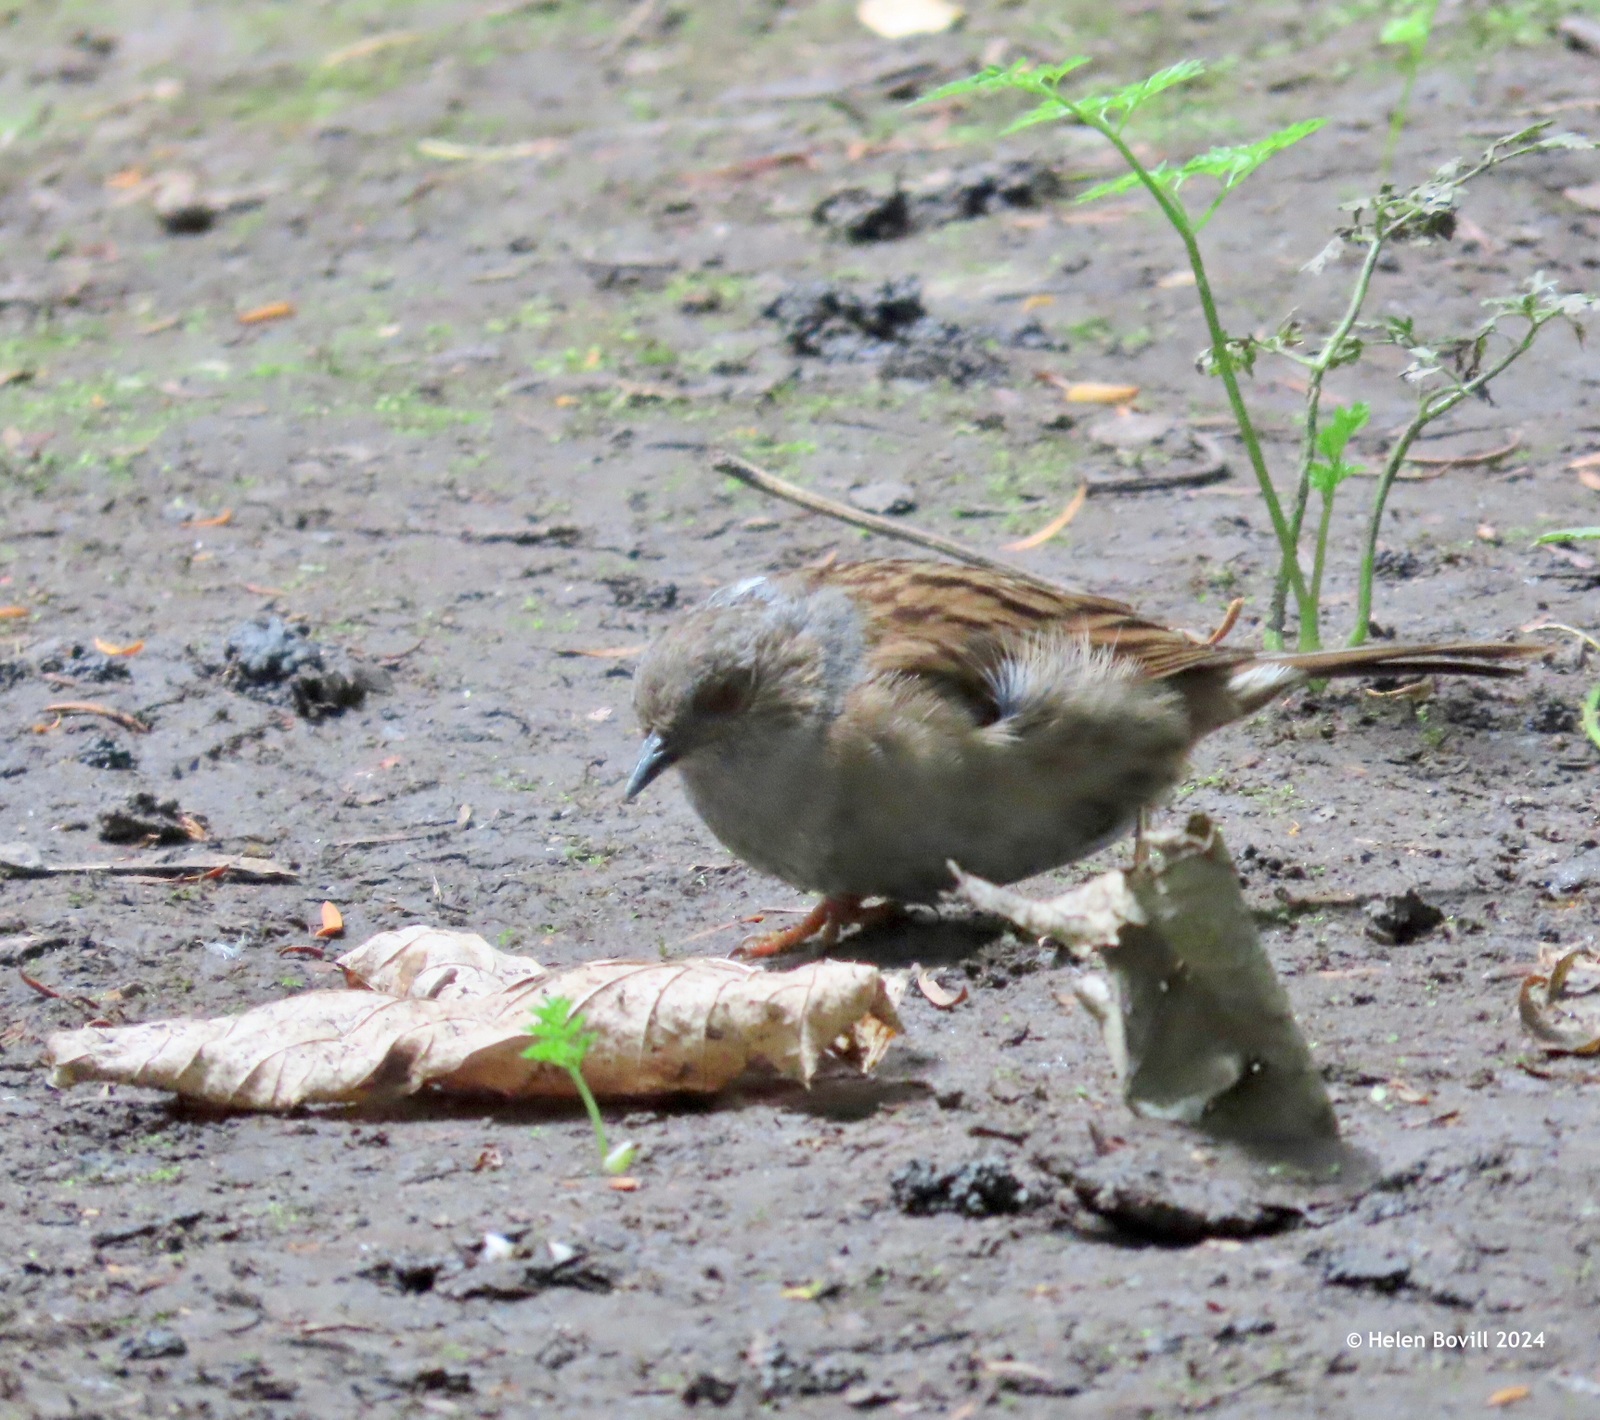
824,922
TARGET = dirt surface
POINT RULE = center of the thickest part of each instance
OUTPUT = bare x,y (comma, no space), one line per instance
530,254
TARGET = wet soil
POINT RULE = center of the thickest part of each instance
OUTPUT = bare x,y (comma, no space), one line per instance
505,271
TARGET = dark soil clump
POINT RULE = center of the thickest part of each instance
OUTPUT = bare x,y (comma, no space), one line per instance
103,752
888,326
858,214
272,660
981,1189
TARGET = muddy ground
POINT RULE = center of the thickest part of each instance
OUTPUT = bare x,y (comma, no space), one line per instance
528,250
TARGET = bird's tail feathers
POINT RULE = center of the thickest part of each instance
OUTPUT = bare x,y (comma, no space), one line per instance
1258,681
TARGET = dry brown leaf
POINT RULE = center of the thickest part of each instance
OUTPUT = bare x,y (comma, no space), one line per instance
900,19
435,963
13,613
273,310
1090,917
332,923
447,1011
112,648
1587,461
1511,1394
1198,1027
223,518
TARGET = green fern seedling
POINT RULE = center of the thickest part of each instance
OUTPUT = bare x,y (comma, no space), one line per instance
559,1039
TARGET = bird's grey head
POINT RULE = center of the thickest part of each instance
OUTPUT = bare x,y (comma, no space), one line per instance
752,658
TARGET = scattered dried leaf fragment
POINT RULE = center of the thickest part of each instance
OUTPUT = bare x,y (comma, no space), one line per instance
272,310
1509,1395
113,648
371,45
447,1011
1096,392
900,19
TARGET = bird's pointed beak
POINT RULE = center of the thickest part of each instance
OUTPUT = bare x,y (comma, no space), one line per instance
654,758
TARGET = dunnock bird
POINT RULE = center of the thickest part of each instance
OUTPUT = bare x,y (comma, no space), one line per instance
854,728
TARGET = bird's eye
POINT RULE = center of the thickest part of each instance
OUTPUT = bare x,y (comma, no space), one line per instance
726,696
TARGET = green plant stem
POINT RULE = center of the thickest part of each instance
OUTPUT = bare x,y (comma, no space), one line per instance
1589,715
1397,120
1179,219
1432,408
1319,368
1319,561
589,1103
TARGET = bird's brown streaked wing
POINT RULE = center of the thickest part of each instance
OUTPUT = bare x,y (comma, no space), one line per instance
956,623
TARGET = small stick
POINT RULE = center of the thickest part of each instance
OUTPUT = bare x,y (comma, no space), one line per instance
85,707
399,656
1467,460
748,473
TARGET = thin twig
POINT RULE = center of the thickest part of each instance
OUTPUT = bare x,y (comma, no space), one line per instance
759,478
1443,461
85,707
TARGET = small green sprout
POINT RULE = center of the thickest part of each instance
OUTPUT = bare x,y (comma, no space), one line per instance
559,1039
1410,32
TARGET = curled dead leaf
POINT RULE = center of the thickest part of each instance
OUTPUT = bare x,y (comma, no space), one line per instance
1509,1395
221,520
332,922
444,1010
112,648
1562,1029
937,996
1055,526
